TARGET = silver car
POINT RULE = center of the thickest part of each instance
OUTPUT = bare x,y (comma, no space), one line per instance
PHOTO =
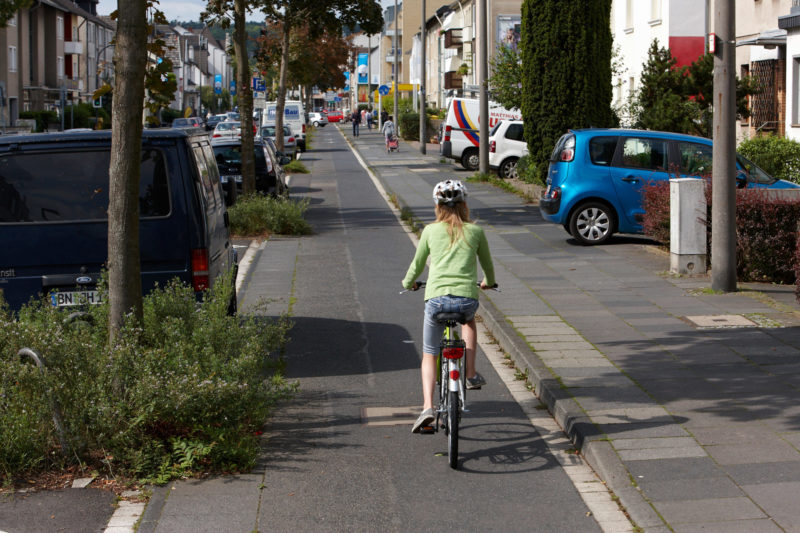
227,130
289,139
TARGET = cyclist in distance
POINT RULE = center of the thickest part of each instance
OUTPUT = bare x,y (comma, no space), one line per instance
453,243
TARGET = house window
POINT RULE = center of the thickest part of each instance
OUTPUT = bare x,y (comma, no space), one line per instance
13,20
629,15
12,58
90,33
655,10
60,67
60,28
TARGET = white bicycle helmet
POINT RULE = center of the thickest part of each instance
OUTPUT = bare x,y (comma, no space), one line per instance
449,192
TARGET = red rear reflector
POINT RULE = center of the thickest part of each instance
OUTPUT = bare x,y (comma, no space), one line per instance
493,146
304,128
567,154
447,130
200,269
454,375
453,353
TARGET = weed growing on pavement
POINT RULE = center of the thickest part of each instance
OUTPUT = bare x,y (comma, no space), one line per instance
186,390
295,167
258,214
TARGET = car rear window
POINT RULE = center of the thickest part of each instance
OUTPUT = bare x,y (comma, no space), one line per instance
515,132
556,155
229,159
601,150
73,186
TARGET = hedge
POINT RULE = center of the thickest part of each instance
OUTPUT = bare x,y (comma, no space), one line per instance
766,231
778,156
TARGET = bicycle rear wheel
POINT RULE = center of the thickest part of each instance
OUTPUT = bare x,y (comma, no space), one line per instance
452,428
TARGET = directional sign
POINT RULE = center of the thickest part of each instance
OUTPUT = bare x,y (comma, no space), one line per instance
233,86
383,90
217,83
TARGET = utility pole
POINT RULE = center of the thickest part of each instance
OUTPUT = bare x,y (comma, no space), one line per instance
395,118
723,174
483,48
422,133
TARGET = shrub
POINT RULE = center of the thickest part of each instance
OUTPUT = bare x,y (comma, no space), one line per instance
526,170
766,230
187,389
258,214
83,116
296,167
780,157
43,118
797,268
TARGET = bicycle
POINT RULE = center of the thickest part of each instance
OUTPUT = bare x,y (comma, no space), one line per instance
450,380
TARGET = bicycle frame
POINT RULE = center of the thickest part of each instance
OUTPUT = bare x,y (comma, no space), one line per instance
452,375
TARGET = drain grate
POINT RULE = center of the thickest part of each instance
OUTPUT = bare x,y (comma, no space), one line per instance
389,416
721,321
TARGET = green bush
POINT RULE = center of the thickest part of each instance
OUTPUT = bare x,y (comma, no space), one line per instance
168,115
186,390
258,214
780,157
83,116
526,170
43,118
296,167
409,125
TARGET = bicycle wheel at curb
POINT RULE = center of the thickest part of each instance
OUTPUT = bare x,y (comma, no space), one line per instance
452,427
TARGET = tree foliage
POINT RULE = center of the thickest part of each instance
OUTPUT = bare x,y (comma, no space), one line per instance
506,80
679,99
8,9
566,70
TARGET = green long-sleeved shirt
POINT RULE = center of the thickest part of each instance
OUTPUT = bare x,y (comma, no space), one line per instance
453,269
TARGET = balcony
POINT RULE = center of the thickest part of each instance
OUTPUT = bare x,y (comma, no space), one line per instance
73,84
451,64
453,80
73,47
453,38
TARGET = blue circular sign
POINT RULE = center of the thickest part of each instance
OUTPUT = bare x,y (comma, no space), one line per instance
383,90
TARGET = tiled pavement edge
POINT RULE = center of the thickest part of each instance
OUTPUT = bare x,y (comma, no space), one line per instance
693,428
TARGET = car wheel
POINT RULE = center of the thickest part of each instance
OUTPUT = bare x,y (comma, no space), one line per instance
508,169
316,124
470,159
592,223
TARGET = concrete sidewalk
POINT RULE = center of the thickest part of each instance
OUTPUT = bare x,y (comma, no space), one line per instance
685,402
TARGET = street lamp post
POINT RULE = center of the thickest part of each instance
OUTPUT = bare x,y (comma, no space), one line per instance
396,80
422,118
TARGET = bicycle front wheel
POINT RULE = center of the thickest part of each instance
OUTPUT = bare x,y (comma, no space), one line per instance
452,428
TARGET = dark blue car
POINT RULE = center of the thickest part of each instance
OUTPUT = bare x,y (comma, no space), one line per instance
53,214
595,177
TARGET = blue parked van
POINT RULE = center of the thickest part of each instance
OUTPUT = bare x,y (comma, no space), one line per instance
595,177
53,214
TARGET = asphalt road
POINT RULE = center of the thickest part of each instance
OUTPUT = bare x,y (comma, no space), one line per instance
341,455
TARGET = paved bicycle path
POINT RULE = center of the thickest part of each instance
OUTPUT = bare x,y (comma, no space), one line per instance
694,424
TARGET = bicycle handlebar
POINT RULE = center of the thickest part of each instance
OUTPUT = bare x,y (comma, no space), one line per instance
421,284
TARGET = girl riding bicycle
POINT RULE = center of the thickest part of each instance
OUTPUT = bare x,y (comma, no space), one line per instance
453,243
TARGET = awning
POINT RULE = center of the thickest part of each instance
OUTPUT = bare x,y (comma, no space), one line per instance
767,39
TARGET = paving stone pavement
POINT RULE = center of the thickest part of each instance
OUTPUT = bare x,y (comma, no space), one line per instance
696,427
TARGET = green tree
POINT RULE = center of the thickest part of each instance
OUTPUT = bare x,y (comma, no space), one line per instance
8,8
566,71
679,99
506,80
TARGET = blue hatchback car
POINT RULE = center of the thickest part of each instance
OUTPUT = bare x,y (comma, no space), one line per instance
595,177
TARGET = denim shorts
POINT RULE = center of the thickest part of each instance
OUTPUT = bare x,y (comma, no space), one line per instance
432,330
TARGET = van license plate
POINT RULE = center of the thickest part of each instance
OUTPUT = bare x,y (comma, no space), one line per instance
65,299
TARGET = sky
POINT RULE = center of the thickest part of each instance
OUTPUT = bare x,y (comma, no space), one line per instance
184,10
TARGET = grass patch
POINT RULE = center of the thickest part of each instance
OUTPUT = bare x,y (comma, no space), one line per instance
185,391
295,167
258,214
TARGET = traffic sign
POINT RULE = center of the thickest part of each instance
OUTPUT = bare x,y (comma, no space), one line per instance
233,87
217,83
383,90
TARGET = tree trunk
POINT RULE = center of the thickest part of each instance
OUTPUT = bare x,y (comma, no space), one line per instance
124,268
245,94
281,103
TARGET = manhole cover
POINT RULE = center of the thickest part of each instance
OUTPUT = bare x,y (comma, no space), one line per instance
389,416
721,321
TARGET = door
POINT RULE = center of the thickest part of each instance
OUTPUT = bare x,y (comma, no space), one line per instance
640,160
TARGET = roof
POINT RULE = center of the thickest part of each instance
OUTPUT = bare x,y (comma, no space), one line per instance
93,135
769,38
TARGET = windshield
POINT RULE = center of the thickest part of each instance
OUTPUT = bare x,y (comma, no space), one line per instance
753,172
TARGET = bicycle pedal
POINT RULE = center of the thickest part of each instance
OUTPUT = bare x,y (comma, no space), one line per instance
427,430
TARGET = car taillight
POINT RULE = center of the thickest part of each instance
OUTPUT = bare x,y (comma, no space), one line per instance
217,135
304,128
200,269
447,130
553,193
454,375
291,139
453,353
493,146
567,154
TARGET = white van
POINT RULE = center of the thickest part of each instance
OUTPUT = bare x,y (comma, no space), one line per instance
461,129
293,116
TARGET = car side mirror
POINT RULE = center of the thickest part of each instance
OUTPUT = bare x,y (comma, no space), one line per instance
741,180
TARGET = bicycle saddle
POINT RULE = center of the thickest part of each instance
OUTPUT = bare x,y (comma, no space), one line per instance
450,317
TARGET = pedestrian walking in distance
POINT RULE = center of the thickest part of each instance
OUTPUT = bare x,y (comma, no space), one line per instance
356,118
